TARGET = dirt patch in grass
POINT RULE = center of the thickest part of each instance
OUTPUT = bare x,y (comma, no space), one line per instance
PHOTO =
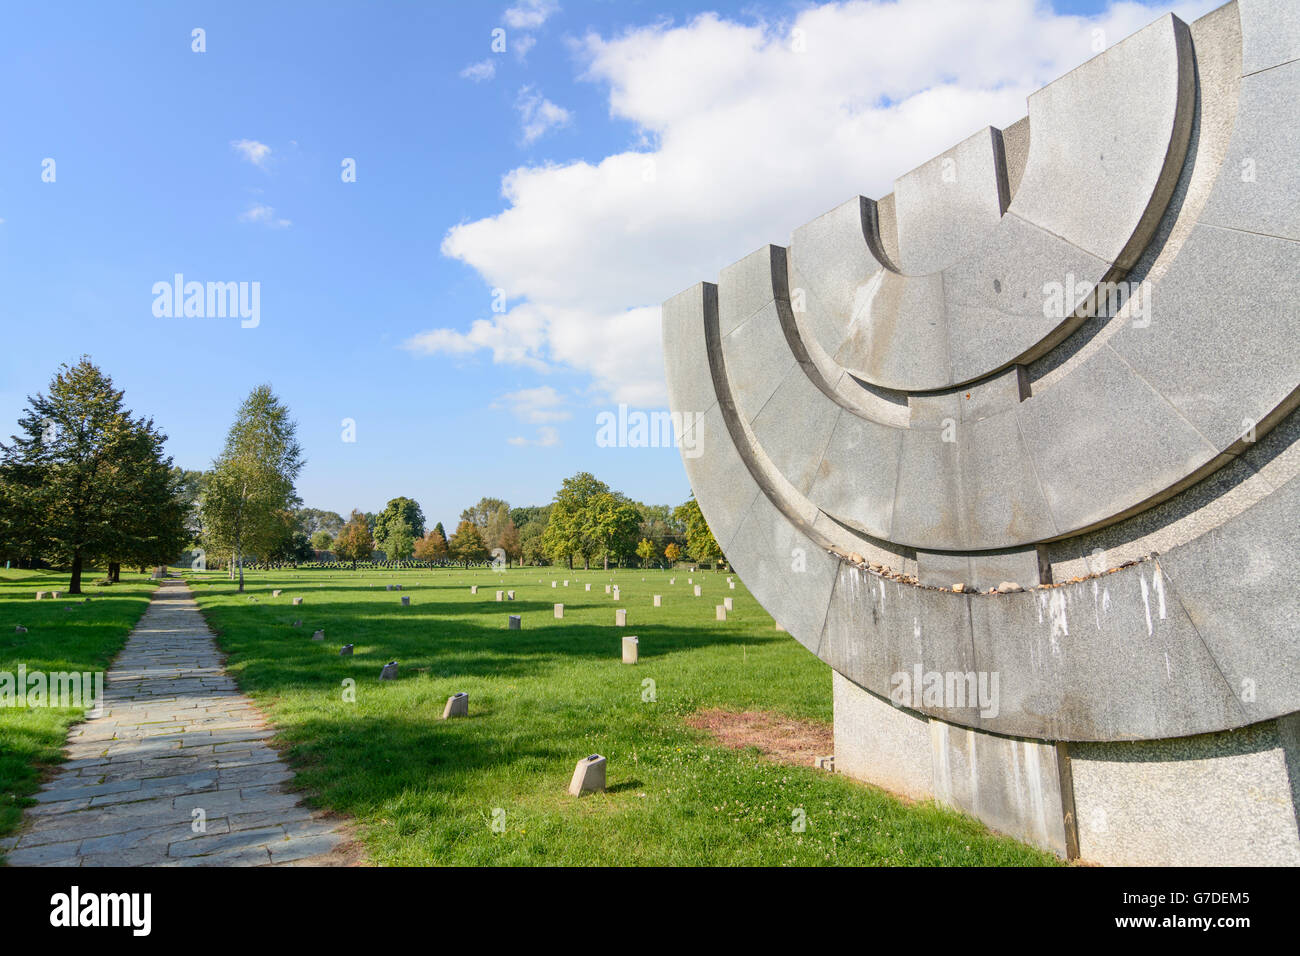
782,739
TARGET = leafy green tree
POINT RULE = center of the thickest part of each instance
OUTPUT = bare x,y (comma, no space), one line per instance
467,543
700,543
532,548
85,479
354,543
672,553
611,526
252,481
645,550
404,511
571,527
314,519
322,540
398,542
483,512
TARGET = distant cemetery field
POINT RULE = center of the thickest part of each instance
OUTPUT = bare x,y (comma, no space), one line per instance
62,635
491,789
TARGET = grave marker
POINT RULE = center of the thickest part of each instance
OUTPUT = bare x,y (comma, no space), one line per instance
588,776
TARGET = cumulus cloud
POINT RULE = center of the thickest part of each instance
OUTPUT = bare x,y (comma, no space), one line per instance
535,405
547,437
529,14
263,215
480,71
253,151
744,131
538,115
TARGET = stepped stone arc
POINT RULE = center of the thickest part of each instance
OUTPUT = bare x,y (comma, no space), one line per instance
1059,364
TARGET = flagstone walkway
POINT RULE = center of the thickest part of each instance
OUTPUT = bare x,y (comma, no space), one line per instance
176,771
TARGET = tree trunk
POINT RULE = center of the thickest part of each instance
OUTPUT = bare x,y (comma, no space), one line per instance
115,572
74,586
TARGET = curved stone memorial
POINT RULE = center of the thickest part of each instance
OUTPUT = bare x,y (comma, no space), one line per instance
1014,449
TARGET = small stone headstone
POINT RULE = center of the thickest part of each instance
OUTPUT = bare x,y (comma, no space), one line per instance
697,590
397,587
19,629
826,763
318,636
620,617
510,595
40,595
297,601
690,580
473,589
346,650
608,590
553,584
388,587
275,593
389,672
630,647
566,584
732,585
559,610
658,600
672,580
588,776
501,595
457,706
720,612
56,594
297,623
726,602
588,587
516,622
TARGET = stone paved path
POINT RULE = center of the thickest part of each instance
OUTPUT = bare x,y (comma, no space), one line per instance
175,736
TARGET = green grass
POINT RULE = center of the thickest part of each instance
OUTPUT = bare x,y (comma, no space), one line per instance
425,791
85,638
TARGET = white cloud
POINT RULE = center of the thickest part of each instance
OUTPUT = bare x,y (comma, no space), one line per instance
253,151
538,115
480,71
263,215
530,14
518,337
744,140
521,46
535,405
547,437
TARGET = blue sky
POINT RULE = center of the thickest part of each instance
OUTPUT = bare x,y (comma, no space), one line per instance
613,154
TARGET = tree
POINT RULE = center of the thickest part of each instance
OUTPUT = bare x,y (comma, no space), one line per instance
672,553
467,543
399,542
569,530
322,540
314,519
86,479
611,526
252,480
354,542
481,513
701,544
403,511
432,547
509,542
148,512
645,551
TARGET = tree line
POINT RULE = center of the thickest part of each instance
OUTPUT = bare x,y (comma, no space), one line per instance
88,484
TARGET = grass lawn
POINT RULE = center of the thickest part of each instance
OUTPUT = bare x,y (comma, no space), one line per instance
85,638
427,791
